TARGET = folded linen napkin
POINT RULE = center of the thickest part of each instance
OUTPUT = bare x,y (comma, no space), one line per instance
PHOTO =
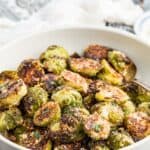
68,12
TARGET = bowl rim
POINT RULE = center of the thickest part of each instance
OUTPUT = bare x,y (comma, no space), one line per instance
60,28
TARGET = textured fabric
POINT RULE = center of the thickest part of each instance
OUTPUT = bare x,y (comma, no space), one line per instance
22,17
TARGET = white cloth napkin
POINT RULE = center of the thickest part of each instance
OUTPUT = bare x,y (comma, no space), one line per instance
71,12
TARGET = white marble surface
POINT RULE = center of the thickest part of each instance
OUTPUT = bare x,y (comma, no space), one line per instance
22,17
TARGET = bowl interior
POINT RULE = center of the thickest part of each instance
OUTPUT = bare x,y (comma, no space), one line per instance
75,40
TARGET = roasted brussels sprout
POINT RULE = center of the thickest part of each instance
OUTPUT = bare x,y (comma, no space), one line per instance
35,140
54,51
48,145
49,82
9,119
122,64
11,92
119,139
8,75
55,65
66,96
49,112
96,127
144,107
72,146
138,92
73,80
107,92
31,71
26,126
128,107
109,111
96,52
16,114
108,74
7,122
138,124
89,101
98,145
34,99
70,128
85,66
78,112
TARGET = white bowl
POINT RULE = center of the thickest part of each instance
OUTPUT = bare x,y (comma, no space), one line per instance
74,39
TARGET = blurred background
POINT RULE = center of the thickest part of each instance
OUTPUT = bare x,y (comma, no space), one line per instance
22,17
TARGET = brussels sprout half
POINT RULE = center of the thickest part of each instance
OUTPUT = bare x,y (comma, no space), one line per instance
49,112
138,124
144,107
10,118
108,74
67,96
107,92
85,66
137,91
97,52
96,127
35,97
98,145
109,111
74,80
11,92
31,71
122,64
55,65
54,51
119,139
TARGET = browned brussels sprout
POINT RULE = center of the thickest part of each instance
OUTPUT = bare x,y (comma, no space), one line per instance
35,140
10,119
49,82
138,124
128,107
80,113
96,52
34,99
85,66
110,111
71,146
107,92
31,71
119,139
55,65
89,101
26,126
66,96
144,107
54,51
11,92
98,145
8,75
70,128
122,64
108,74
74,80
49,112
138,92
96,127
48,145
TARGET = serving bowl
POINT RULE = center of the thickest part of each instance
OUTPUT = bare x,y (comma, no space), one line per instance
74,39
